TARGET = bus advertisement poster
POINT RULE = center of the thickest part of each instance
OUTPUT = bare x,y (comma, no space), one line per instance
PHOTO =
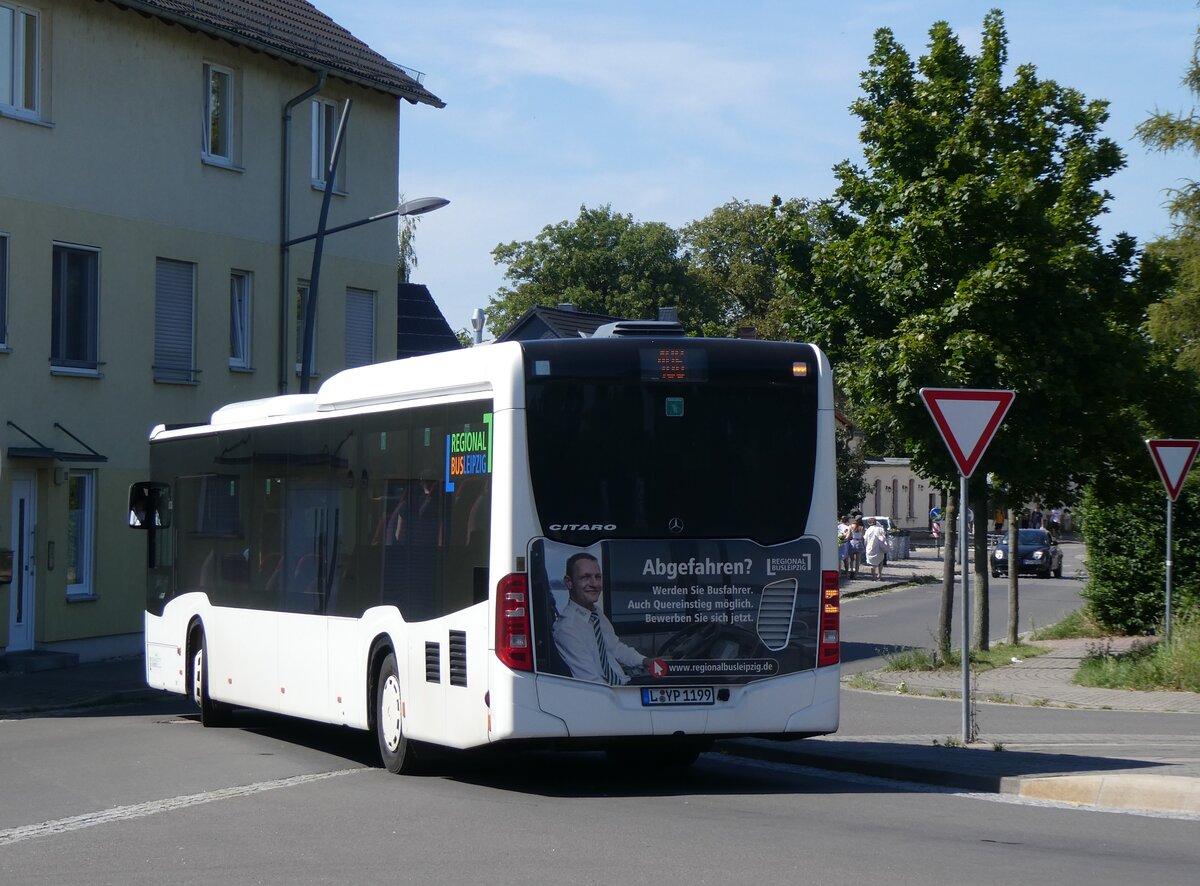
679,611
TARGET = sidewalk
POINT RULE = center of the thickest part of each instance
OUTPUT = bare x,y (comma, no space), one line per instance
62,690
1096,768
922,565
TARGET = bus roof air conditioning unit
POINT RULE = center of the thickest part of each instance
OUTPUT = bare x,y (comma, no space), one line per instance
640,329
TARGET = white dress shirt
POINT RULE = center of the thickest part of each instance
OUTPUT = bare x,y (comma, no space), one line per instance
576,642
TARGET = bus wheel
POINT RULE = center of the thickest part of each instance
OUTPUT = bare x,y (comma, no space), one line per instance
395,749
212,713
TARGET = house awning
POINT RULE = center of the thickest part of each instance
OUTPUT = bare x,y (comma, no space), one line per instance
41,451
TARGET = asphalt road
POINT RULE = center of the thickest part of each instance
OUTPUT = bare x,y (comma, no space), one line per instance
155,797
907,617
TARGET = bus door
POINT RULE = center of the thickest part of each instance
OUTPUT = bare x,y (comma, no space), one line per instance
311,554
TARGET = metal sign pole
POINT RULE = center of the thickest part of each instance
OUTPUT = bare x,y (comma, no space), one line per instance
966,609
1168,619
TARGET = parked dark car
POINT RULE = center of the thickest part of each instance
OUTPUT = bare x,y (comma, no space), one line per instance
1037,552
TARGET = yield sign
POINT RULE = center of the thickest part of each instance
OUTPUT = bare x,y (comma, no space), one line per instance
1173,459
967,419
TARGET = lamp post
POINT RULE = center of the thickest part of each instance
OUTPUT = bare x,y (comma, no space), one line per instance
418,206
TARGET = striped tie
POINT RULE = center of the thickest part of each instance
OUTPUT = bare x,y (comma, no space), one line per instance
605,668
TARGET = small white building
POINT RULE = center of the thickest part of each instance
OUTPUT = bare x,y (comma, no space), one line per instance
899,493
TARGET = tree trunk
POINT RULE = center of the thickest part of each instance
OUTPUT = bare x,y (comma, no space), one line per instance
946,613
1014,598
980,626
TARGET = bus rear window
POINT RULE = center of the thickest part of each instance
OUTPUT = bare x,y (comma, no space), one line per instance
710,440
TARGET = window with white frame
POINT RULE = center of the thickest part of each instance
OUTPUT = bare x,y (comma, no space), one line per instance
81,532
239,319
3,291
75,313
174,313
218,113
325,116
360,327
301,298
19,59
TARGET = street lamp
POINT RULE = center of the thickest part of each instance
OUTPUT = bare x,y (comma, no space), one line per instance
418,206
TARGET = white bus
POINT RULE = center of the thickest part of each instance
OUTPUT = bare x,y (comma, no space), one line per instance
418,548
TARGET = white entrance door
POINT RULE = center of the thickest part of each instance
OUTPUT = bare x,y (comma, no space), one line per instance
24,547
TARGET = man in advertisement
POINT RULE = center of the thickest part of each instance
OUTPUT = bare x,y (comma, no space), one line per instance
584,636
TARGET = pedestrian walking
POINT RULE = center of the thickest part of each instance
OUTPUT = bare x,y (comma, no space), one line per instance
856,547
875,544
1035,517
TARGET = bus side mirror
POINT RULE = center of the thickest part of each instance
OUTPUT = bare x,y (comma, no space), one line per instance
149,505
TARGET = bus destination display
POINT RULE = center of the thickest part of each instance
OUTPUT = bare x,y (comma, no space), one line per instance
673,363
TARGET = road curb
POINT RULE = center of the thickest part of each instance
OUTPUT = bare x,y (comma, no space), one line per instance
1118,791
1160,793
893,770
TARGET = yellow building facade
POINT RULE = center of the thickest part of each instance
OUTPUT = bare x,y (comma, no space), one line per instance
144,153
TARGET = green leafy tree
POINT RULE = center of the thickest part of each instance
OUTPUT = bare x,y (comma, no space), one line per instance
966,253
732,255
851,469
406,254
1124,525
1176,321
603,262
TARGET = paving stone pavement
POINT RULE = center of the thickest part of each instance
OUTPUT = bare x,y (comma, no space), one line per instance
1043,680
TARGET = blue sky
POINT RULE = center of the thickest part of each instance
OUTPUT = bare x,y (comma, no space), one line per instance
666,109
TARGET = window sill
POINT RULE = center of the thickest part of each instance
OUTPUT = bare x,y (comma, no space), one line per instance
11,113
245,370
76,372
221,163
82,598
337,192
193,382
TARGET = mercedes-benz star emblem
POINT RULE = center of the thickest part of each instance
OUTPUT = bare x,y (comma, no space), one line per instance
676,525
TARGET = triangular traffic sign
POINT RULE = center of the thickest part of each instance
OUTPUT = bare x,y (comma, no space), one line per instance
1173,459
967,419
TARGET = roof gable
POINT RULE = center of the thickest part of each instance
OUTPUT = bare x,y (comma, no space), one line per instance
295,31
421,328
543,322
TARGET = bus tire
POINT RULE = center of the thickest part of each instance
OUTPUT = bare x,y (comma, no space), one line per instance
212,713
396,751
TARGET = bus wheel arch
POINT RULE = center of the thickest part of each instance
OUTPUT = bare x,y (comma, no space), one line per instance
212,713
397,752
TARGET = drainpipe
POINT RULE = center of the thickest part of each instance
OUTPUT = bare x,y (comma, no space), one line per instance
284,191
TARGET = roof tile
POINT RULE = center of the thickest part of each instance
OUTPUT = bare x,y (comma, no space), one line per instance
294,29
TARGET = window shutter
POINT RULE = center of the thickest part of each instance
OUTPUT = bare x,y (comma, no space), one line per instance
360,328
174,288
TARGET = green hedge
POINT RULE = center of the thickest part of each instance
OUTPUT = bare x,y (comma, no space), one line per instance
1125,526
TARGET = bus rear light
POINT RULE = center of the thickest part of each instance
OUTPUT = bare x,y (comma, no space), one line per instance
512,623
829,649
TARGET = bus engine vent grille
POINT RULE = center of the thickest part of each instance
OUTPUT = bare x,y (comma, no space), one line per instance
458,658
433,662
775,613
